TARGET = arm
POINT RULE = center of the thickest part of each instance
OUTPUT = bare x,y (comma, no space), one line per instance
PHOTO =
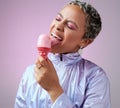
47,78
20,101
97,90
97,93
20,97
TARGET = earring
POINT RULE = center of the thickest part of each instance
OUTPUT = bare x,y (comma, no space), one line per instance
80,50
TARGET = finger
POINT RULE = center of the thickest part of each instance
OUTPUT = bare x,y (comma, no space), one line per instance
36,74
43,61
36,69
50,63
38,63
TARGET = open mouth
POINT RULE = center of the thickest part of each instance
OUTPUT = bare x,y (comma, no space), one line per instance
56,36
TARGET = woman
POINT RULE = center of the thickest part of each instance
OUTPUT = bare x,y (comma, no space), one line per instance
65,79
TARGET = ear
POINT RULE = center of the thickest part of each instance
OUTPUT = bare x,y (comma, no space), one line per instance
86,42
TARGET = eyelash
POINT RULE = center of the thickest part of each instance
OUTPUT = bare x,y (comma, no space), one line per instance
68,23
70,26
58,18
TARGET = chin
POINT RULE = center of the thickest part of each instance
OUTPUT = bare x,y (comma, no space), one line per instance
54,52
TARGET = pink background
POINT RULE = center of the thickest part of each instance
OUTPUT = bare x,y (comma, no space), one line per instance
21,21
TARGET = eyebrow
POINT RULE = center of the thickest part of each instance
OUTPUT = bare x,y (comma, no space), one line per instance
60,14
69,20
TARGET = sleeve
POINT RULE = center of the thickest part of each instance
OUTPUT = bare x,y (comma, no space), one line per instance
97,94
62,102
97,91
20,97
20,101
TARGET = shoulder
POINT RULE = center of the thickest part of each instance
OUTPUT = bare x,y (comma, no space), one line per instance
92,70
97,85
89,64
96,77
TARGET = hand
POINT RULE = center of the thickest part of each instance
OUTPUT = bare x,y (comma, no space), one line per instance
46,76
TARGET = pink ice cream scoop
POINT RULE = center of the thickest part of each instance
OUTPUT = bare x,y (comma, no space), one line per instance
44,44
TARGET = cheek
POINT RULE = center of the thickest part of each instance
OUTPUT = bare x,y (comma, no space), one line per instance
72,42
51,25
72,38
76,40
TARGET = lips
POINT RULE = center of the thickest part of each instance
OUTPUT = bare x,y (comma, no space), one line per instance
55,39
53,35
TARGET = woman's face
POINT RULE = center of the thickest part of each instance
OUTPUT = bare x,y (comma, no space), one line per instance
68,27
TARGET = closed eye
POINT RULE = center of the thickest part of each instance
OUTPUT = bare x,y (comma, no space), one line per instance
69,23
58,17
71,26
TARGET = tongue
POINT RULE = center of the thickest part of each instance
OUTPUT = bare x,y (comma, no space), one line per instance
54,41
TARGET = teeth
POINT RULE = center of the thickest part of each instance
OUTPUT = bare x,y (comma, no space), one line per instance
55,36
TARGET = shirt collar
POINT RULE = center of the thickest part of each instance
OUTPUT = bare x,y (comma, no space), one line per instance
68,59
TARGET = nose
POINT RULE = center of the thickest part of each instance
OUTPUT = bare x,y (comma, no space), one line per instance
60,27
